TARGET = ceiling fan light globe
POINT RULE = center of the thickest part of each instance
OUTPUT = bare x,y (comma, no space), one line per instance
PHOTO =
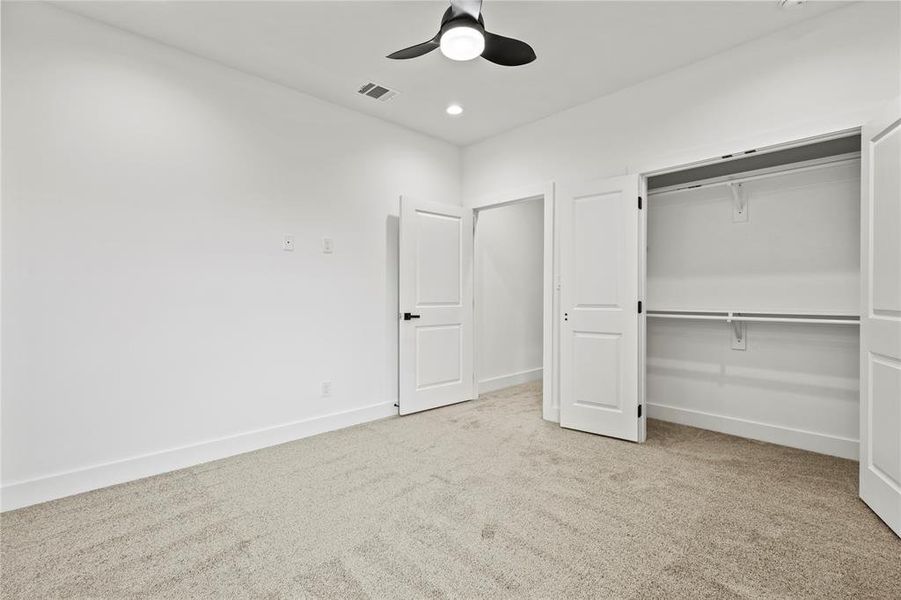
462,43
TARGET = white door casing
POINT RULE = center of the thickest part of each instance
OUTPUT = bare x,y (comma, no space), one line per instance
642,316
599,333
435,272
880,319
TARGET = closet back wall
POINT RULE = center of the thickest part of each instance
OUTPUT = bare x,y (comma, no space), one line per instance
150,316
798,252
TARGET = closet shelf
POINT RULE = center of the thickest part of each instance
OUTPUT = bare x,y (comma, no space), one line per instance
732,180
752,317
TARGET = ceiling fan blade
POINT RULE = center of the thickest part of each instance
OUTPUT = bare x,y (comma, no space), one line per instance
466,7
506,51
417,50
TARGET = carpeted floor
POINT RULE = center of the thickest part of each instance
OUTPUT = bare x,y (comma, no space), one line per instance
478,500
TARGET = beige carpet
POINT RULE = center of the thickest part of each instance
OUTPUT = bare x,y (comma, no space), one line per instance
478,500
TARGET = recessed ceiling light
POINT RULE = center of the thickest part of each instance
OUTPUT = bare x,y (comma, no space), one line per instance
455,109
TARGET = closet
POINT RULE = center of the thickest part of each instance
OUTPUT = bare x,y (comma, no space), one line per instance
753,296
757,294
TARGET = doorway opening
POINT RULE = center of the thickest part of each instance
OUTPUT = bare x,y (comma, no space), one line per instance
509,294
515,298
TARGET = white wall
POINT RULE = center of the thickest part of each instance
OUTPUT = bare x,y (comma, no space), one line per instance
509,246
148,306
830,72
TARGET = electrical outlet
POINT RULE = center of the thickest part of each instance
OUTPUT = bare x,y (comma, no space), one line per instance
326,389
288,243
327,246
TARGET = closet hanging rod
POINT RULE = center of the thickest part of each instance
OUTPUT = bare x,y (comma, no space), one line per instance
728,317
810,165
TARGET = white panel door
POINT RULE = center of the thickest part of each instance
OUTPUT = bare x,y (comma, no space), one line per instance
436,318
880,322
599,344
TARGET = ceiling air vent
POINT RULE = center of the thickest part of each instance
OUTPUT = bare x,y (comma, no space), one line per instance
379,92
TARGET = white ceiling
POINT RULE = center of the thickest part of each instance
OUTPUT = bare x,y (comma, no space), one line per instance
328,49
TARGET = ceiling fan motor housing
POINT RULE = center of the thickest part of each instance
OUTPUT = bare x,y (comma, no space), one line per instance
449,21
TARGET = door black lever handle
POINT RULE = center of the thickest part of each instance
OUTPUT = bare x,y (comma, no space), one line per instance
408,316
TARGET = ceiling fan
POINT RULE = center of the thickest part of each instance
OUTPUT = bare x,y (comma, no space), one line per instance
463,37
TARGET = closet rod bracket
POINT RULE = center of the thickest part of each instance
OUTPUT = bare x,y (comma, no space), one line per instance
739,333
739,202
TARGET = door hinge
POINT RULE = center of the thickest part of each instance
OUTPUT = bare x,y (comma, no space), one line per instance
639,203
639,306
639,411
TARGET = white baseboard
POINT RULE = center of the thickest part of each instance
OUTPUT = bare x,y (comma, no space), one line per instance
25,493
765,432
498,383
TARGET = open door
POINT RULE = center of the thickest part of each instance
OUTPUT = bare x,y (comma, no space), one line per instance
599,333
436,319
880,319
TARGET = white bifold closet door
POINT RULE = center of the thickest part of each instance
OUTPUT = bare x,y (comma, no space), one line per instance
436,318
880,319
599,333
